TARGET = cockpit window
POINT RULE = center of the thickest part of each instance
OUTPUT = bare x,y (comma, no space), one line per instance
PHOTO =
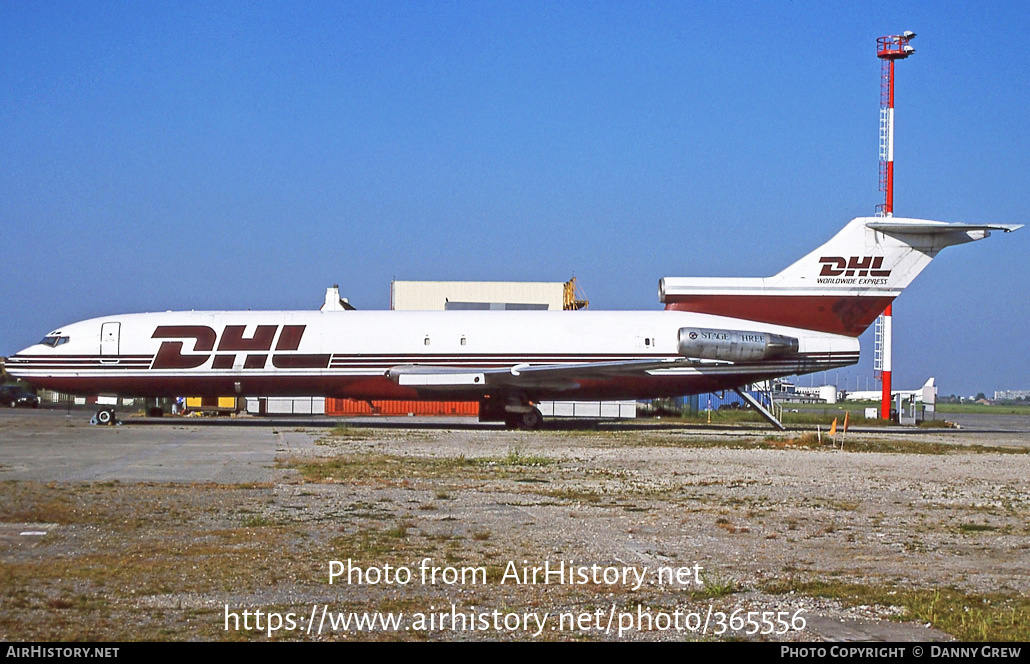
54,341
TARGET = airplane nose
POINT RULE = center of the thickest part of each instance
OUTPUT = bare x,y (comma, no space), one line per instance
16,363
20,364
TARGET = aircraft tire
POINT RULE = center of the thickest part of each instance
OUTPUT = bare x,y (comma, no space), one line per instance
530,420
105,416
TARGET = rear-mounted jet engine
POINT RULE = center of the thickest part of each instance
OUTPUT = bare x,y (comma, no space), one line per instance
734,345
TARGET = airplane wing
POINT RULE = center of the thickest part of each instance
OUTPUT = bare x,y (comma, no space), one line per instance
552,376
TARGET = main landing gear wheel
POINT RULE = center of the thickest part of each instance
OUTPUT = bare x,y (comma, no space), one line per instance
531,419
104,416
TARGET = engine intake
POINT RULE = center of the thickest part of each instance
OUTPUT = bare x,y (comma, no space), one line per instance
733,345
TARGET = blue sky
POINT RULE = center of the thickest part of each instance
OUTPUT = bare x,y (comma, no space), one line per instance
223,155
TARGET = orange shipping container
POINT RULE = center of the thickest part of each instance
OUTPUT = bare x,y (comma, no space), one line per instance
355,407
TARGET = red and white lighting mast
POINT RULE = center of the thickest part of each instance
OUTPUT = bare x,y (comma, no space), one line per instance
889,49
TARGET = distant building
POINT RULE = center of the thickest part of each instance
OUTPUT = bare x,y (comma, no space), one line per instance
823,393
1011,394
495,295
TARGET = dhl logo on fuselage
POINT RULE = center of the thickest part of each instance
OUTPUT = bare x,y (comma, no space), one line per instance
256,348
855,266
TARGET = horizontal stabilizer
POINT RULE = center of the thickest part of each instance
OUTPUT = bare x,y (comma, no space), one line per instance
936,227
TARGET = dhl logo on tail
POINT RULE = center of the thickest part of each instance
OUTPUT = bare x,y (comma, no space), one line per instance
864,266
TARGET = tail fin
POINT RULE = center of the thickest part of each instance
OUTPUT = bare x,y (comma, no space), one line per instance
841,287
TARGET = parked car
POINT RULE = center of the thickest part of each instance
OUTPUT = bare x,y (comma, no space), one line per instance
14,396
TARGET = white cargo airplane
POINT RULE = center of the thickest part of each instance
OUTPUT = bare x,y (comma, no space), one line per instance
715,334
919,394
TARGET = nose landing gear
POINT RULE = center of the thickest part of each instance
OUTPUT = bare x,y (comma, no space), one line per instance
104,416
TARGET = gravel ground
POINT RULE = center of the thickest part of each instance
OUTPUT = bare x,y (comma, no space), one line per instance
756,519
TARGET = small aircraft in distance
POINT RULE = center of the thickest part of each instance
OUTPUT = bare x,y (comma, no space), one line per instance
928,393
714,334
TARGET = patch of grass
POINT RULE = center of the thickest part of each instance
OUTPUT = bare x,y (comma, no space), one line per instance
69,504
715,586
974,528
365,467
400,531
517,458
688,439
809,441
342,431
371,466
154,567
895,446
257,521
982,409
967,617
837,504
575,495
374,546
